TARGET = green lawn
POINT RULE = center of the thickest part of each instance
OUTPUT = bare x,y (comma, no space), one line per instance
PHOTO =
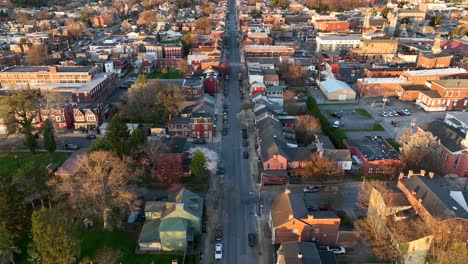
363,112
10,164
168,75
125,242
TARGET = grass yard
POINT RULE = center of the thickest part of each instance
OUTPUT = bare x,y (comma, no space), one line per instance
125,242
40,160
363,112
168,75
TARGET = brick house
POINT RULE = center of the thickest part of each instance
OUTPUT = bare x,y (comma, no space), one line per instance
179,127
88,118
170,162
376,49
373,156
198,125
9,60
168,63
432,61
192,88
293,218
443,95
172,51
434,200
454,157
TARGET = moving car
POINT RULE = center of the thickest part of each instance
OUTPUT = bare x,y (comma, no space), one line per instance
70,147
311,189
252,239
338,250
395,123
218,251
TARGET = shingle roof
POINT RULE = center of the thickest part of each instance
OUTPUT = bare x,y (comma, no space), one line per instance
449,137
435,197
288,253
149,232
286,204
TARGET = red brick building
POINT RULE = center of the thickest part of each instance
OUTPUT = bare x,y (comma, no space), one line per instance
443,95
432,61
373,156
331,26
193,88
198,125
9,60
454,157
172,51
294,217
170,162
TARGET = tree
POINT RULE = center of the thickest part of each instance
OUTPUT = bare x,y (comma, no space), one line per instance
117,134
457,253
203,24
100,144
198,163
108,18
224,68
137,138
211,158
7,246
147,18
37,54
321,168
48,134
384,12
54,240
100,185
420,151
171,99
278,3
365,192
184,67
108,256
307,127
18,111
436,20
22,17
75,28
246,117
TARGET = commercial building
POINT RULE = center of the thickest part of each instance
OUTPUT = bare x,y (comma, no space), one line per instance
376,49
443,95
267,51
334,43
336,90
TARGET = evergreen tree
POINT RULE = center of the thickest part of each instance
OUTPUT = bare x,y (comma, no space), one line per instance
117,134
198,164
100,144
49,138
137,138
54,239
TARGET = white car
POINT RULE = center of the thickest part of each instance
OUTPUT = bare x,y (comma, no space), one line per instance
218,251
406,112
336,124
338,250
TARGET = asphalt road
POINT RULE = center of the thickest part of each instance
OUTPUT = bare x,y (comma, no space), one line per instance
15,142
237,205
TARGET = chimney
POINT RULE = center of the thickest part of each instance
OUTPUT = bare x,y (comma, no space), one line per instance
299,255
423,173
431,174
410,173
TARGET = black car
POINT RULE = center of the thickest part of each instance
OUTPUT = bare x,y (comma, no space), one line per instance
336,115
252,239
245,154
199,141
224,132
91,136
395,123
244,134
245,143
219,233
220,170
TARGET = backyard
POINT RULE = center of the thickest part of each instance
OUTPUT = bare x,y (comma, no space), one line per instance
165,75
11,162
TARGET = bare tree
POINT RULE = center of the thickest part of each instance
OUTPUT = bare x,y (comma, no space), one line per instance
421,151
366,190
171,98
22,17
308,123
75,28
99,186
37,54
321,168
246,117
108,256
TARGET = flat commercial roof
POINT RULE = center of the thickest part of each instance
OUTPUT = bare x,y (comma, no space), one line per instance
47,69
374,148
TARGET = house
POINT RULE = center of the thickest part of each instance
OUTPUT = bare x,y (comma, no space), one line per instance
148,64
211,85
432,61
304,253
454,156
172,51
443,95
171,226
192,88
334,89
434,200
197,124
373,156
292,219
170,161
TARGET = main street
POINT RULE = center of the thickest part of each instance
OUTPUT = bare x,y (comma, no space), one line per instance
237,204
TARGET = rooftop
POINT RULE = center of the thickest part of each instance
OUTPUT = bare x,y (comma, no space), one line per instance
338,37
47,69
453,83
429,72
334,85
449,137
374,148
189,82
266,47
384,80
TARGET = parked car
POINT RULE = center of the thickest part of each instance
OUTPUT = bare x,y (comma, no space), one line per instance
336,115
245,143
244,134
70,147
91,136
218,251
400,113
336,124
245,154
224,132
252,239
338,250
199,141
395,123
219,233
406,112
311,189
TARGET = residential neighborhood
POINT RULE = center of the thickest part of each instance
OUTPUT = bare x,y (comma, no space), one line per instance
234,131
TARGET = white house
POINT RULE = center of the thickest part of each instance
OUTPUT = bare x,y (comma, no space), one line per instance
109,66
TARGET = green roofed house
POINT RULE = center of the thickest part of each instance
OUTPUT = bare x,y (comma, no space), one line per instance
178,221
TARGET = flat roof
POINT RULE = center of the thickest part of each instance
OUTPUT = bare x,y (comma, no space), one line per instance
264,47
447,71
384,80
337,37
47,69
453,83
374,148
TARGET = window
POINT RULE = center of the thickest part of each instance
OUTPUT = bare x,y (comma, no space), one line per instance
205,127
268,165
281,166
455,163
370,170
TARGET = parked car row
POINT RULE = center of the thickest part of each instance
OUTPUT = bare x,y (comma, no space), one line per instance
392,113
